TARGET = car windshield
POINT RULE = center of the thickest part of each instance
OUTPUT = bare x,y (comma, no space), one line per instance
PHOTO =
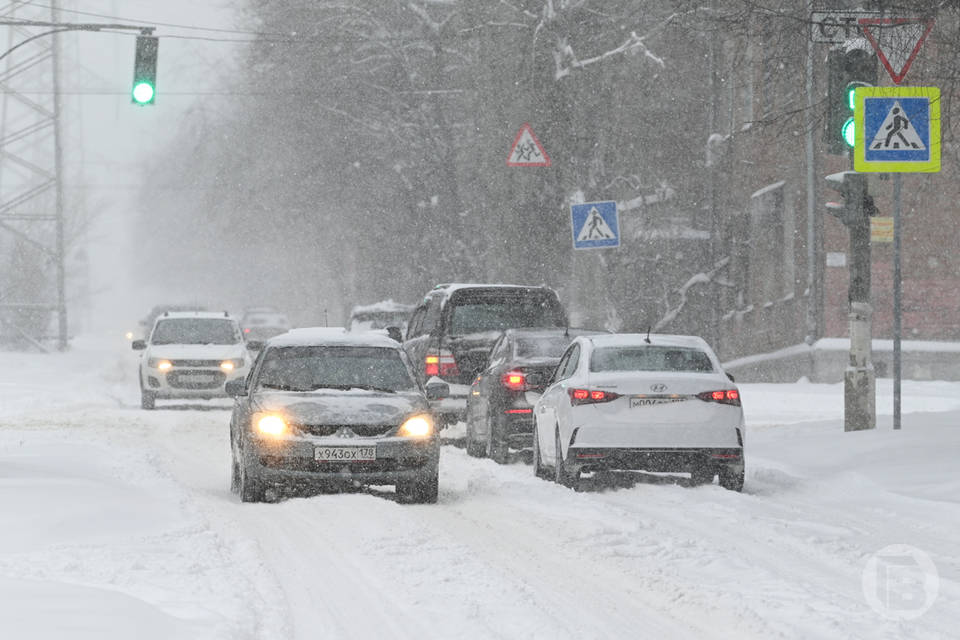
652,358
314,367
195,331
496,313
542,346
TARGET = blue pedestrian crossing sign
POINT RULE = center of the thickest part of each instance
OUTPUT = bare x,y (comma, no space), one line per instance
897,129
595,225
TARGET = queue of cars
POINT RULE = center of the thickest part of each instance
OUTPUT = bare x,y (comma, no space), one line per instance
326,407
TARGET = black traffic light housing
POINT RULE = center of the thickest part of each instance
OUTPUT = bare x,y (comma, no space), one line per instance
144,90
847,69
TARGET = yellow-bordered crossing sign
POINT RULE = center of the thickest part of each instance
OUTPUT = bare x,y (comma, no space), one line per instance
897,129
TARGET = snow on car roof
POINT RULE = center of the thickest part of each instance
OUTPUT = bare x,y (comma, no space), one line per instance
450,288
338,336
656,339
383,305
195,314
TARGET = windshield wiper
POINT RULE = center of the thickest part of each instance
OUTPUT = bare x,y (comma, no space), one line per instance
347,387
282,387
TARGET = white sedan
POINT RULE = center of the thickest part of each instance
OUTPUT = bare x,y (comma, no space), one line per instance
656,403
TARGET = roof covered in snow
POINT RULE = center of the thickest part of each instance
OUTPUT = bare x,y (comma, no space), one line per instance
334,336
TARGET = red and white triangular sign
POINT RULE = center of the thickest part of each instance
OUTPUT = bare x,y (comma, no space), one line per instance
897,41
527,150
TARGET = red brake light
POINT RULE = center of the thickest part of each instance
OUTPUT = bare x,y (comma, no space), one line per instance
440,364
247,330
514,380
590,396
727,396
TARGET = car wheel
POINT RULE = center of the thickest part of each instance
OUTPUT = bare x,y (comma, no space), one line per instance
474,448
497,448
561,475
234,476
250,487
702,475
148,399
538,469
420,490
731,479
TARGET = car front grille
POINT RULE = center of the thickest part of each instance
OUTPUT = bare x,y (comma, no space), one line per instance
195,379
361,430
196,363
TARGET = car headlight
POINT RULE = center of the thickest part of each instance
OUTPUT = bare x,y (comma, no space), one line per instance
417,426
271,425
230,365
159,363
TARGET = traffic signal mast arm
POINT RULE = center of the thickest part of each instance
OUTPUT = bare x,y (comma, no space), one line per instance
57,27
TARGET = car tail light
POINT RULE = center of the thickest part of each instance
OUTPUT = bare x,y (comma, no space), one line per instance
440,363
590,396
726,396
512,411
515,380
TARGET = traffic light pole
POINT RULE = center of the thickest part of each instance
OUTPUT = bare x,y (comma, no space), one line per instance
859,381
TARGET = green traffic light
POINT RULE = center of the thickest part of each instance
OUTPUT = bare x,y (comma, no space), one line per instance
143,93
849,132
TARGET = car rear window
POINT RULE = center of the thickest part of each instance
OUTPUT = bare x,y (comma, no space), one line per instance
652,358
317,367
542,347
195,331
500,311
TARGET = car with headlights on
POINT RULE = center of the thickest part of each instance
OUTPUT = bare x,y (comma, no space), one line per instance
500,404
634,402
190,355
326,407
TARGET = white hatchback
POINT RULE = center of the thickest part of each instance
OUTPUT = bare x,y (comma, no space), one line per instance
658,403
190,354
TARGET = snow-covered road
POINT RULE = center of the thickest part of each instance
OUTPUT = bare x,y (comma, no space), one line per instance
119,523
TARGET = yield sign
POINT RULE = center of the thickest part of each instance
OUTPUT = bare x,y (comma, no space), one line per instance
527,150
897,41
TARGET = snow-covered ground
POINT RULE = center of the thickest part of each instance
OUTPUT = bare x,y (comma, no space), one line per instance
118,523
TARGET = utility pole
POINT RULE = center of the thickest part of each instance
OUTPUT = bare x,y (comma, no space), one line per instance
60,250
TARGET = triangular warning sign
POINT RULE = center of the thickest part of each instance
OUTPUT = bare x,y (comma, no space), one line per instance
896,133
595,228
527,150
897,41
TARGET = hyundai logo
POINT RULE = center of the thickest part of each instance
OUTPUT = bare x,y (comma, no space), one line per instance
659,388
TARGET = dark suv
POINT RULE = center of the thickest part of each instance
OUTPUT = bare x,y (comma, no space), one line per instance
452,330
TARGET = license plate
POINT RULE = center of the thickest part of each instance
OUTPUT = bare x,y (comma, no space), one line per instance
344,454
196,378
646,401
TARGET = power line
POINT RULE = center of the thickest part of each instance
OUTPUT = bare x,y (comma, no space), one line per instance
161,24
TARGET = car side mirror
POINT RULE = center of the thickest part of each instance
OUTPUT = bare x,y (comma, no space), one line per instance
436,389
139,345
731,377
236,388
395,334
254,345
